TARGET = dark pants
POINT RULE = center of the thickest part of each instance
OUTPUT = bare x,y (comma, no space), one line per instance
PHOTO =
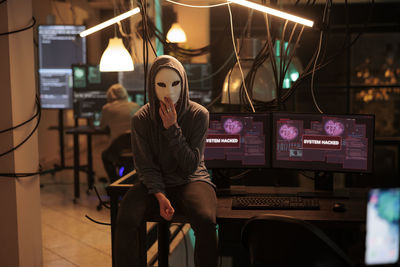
111,155
196,200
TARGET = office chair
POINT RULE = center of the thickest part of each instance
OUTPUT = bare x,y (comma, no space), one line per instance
118,155
124,163
274,240
117,160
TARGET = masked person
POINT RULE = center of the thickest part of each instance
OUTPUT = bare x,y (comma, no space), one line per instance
116,115
168,139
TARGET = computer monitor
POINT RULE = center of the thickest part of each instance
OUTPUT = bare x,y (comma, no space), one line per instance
59,46
323,142
90,90
382,240
238,140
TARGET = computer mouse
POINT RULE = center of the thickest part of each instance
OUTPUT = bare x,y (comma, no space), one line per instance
338,207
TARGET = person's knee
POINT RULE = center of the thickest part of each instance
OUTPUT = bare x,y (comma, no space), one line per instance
206,219
131,213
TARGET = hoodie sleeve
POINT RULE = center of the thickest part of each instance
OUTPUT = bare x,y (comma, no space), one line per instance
148,170
188,151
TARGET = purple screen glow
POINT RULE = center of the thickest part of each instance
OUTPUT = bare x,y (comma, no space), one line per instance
288,132
334,128
323,142
233,126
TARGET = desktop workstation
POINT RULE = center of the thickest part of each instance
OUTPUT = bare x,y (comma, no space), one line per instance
297,141
243,141
230,221
64,82
317,142
89,96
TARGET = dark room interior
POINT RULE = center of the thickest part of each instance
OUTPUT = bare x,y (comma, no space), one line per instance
301,139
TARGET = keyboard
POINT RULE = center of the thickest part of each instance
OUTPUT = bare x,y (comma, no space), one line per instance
274,202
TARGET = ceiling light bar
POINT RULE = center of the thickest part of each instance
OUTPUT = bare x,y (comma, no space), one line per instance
109,22
273,12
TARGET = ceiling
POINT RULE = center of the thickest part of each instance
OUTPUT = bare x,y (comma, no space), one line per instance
108,4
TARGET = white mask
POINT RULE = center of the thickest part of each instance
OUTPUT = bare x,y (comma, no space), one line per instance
168,83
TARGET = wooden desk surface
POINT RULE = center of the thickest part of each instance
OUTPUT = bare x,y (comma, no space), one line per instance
231,221
355,204
355,207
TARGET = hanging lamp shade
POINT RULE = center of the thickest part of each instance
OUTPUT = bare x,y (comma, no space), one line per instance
116,57
176,34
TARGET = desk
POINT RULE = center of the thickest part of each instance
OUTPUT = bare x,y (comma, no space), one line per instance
355,205
88,131
230,221
332,223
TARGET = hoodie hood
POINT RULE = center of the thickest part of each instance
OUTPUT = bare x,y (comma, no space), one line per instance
183,102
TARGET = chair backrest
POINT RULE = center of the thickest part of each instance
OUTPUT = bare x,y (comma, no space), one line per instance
122,147
274,240
122,143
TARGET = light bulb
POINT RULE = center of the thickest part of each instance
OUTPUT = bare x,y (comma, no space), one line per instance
116,57
176,34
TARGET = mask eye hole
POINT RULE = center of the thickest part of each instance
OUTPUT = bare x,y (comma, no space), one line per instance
176,83
161,84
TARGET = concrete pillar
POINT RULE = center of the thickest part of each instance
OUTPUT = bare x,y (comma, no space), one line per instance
20,220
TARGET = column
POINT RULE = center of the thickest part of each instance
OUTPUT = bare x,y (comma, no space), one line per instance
20,223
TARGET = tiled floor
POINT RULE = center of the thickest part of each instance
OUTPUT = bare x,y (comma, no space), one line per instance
70,239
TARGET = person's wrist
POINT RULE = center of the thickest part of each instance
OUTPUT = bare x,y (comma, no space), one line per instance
175,123
159,196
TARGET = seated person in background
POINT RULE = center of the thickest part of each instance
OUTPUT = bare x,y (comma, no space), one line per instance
117,115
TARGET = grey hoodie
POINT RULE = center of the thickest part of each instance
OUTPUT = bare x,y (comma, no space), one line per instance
165,158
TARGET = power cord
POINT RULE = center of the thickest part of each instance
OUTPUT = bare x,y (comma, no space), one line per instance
238,60
306,175
21,124
103,204
95,221
20,30
38,115
101,201
326,12
186,5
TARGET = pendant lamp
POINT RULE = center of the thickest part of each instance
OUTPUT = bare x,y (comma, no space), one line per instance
176,34
116,57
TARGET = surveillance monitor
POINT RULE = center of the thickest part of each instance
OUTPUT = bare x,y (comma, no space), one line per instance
238,140
323,142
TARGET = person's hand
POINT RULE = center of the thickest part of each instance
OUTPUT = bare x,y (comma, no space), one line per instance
167,112
166,209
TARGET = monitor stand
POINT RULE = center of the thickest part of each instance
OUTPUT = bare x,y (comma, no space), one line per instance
222,181
323,187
